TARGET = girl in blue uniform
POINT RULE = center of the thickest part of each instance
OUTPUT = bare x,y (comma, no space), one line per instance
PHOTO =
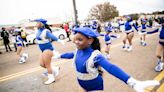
160,49
129,33
94,25
108,39
43,37
87,59
19,40
143,32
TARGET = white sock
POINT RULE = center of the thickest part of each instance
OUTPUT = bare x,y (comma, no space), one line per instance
55,70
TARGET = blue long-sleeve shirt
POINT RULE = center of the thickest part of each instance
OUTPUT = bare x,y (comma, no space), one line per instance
48,35
43,35
18,39
81,57
128,26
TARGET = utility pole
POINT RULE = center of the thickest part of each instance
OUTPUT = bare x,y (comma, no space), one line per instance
75,12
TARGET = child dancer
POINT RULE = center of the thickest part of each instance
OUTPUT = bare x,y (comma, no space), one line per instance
143,32
88,58
107,38
160,49
22,56
43,36
129,33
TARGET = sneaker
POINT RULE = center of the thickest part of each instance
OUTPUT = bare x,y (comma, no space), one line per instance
21,60
144,44
50,80
124,47
25,55
129,48
159,66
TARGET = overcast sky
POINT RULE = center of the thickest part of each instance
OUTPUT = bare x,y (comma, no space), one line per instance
12,11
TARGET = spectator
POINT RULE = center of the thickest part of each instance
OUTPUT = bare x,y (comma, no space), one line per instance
5,36
66,28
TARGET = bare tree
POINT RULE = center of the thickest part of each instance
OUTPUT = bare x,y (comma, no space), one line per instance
103,12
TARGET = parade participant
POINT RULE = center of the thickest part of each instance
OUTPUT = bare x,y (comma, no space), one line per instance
43,35
94,25
87,59
22,56
160,50
129,33
143,32
108,38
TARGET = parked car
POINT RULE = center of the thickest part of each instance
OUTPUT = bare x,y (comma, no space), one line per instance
58,32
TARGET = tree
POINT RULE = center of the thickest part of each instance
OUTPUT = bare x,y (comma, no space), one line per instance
134,16
103,12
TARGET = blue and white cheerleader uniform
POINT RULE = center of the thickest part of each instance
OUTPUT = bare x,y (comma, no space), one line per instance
43,37
94,26
107,37
161,36
24,56
19,40
128,27
87,62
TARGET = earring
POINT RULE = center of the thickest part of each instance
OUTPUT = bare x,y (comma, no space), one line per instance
89,43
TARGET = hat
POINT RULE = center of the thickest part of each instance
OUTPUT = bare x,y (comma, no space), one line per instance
128,17
41,20
86,31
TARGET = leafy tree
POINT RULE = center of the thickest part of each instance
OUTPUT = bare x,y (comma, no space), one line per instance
103,12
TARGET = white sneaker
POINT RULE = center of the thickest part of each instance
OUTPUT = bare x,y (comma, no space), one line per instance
25,55
144,44
22,60
50,80
129,49
159,66
125,47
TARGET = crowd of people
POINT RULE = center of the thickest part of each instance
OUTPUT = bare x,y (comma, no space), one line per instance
88,58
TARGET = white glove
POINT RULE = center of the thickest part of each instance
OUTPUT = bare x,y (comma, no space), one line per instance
61,41
56,55
139,86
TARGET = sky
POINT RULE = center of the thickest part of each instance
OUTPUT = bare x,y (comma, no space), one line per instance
13,11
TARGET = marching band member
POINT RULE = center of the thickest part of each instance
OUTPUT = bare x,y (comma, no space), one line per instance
43,35
87,59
